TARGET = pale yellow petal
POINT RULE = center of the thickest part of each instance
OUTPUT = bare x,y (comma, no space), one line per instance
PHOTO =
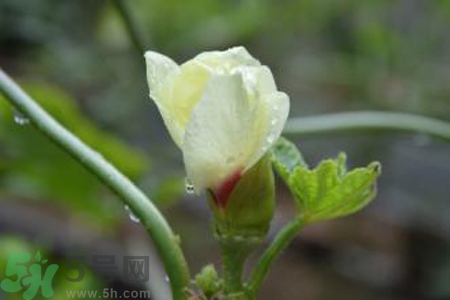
258,81
176,90
273,113
160,69
225,61
187,90
220,137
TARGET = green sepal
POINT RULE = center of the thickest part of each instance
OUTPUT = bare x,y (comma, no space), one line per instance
250,206
329,190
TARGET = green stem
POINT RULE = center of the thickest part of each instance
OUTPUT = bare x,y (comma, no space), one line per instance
163,237
232,266
132,27
281,241
235,251
368,120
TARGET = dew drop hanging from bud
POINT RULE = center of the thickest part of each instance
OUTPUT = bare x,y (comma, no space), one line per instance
189,186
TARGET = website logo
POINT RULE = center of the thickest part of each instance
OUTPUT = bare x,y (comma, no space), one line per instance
29,277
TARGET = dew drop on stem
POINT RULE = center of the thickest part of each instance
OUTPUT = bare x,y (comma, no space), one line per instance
20,119
132,216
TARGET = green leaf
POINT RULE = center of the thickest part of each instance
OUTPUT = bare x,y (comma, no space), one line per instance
329,191
38,256
286,157
44,261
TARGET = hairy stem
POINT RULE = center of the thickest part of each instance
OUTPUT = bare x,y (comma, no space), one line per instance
369,120
232,266
281,241
163,237
235,251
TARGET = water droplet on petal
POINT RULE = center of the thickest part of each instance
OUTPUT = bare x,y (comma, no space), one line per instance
20,119
133,217
166,278
274,122
270,139
189,186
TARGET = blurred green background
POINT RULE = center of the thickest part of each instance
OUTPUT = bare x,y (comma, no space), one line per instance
76,58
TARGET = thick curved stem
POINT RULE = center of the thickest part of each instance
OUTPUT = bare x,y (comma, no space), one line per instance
163,237
369,120
278,245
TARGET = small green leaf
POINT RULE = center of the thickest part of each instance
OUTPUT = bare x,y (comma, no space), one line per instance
44,261
286,157
38,256
329,191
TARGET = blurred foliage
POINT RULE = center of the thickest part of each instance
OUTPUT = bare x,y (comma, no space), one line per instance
168,191
346,55
35,168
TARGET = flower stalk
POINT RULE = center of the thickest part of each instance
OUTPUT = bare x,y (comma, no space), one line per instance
235,251
278,245
232,267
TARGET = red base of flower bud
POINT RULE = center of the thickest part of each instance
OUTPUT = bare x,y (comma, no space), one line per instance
223,192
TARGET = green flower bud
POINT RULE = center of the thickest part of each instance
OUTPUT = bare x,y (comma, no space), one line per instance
208,281
250,206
